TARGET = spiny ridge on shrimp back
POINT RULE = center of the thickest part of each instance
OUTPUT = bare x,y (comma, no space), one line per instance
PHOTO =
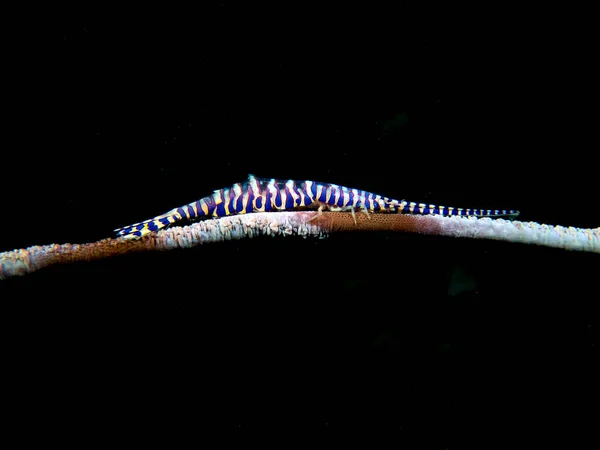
263,195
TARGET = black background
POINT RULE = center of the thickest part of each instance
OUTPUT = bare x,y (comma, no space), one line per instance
431,340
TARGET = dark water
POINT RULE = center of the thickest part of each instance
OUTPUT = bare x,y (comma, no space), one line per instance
424,339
